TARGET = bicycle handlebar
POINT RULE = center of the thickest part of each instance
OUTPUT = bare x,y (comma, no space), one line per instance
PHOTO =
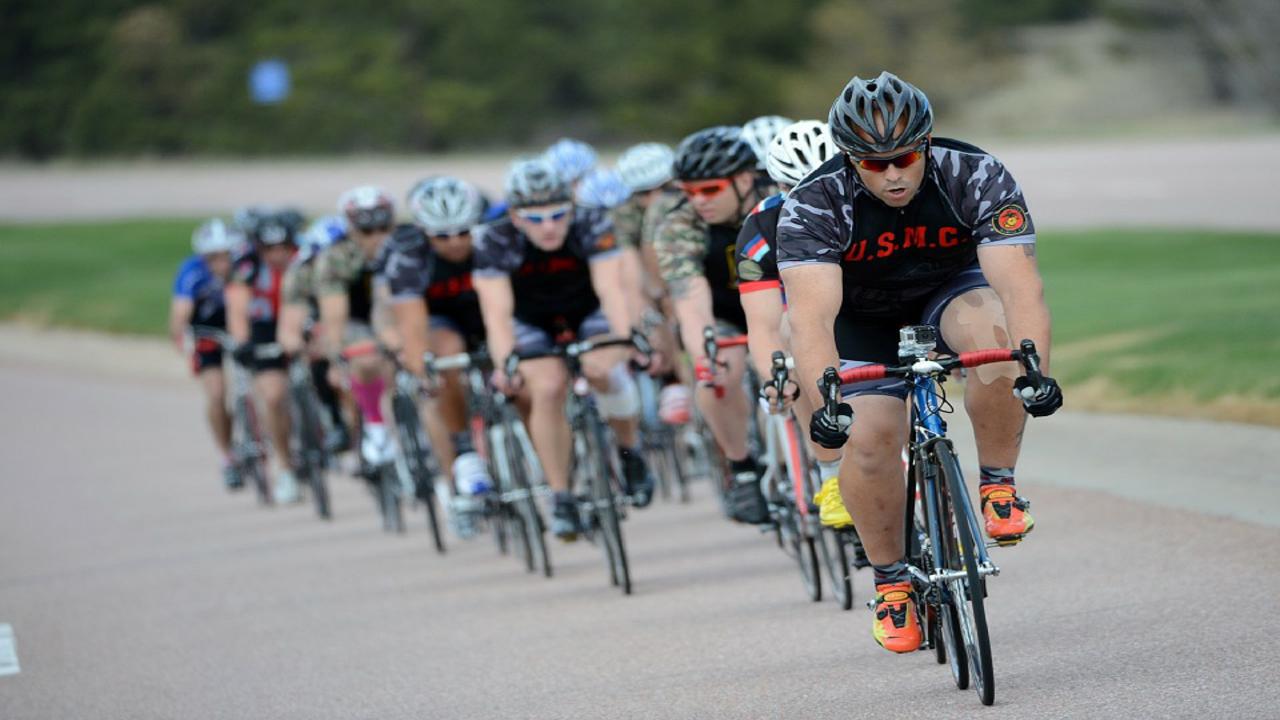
574,350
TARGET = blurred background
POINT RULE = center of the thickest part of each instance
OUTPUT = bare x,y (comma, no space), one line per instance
91,79
1146,134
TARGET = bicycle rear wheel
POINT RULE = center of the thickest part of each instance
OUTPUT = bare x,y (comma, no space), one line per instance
967,593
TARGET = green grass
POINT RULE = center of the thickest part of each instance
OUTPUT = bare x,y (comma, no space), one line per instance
113,276
1166,312
1151,313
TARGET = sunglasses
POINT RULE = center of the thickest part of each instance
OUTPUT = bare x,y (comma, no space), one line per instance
552,215
900,161
705,188
371,220
450,235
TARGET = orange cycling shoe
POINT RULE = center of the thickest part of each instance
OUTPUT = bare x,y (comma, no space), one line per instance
1007,518
896,625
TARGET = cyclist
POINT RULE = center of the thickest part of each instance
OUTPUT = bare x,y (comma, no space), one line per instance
253,307
898,229
300,309
547,272
347,283
197,306
759,132
795,151
695,244
572,159
435,308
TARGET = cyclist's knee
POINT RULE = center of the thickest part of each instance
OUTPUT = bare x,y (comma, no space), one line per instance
974,321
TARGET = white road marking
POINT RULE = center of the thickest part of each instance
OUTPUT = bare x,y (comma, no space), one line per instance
8,651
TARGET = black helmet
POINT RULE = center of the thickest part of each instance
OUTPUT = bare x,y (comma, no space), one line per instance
853,115
716,152
534,181
277,228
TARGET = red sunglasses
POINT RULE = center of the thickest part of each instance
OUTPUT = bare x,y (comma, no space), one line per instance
900,161
705,188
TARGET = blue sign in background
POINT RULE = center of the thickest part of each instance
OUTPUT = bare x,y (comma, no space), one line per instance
269,82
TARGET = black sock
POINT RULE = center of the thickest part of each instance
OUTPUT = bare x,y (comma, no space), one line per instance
895,572
747,464
462,443
995,475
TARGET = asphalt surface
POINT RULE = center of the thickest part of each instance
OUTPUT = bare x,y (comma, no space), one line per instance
1150,183
137,587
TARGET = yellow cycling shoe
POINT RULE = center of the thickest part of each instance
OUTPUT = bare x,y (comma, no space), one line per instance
831,509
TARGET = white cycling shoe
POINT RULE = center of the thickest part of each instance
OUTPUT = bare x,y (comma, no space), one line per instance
285,488
470,475
375,445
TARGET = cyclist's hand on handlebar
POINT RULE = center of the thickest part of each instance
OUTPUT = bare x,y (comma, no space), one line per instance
243,354
1039,401
503,383
831,432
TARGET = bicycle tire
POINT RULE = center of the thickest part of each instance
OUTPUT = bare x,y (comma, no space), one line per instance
942,615
311,441
409,427
254,455
389,499
968,593
796,462
512,530
604,505
535,529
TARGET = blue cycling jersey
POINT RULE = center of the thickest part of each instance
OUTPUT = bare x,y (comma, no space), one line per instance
196,283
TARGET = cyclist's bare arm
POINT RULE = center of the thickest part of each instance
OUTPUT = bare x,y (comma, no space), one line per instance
497,303
764,312
607,281
384,326
293,318
180,312
411,319
691,300
1014,275
814,294
238,296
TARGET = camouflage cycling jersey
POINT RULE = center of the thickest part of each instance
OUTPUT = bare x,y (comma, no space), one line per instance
893,259
342,268
657,210
628,222
298,286
687,247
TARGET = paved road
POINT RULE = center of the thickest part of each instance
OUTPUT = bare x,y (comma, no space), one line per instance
1072,184
137,588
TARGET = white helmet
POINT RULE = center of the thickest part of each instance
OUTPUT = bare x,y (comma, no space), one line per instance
646,166
572,159
324,232
214,236
602,188
759,132
367,207
797,149
446,205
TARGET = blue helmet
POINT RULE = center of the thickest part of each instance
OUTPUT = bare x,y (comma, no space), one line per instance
602,188
572,159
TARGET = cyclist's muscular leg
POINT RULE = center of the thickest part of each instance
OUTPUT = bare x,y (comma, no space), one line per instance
448,413
215,392
272,387
974,321
726,416
547,384
871,480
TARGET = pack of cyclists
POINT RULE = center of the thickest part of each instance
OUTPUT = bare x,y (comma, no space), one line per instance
816,238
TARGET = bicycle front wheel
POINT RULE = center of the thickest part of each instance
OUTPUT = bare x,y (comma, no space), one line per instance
605,508
416,457
967,593
526,506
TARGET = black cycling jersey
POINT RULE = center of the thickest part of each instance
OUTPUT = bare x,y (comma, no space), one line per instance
721,271
896,258
757,259
413,271
552,289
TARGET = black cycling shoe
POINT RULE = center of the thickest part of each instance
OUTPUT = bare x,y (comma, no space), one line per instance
566,523
337,440
746,503
639,480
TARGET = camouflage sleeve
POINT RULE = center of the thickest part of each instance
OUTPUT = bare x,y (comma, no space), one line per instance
599,240
628,219
335,267
295,287
681,246
653,215
496,252
994,205
408,267
808,227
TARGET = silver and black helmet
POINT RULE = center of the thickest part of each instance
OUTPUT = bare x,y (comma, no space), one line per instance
715,152
534,181
853,115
